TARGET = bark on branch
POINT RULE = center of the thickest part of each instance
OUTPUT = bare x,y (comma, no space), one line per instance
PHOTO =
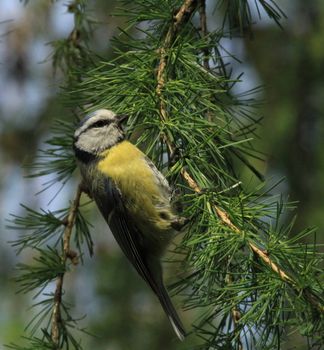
56,312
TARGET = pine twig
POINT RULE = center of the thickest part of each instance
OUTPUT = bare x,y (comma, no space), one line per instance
204,31
185,12
56,313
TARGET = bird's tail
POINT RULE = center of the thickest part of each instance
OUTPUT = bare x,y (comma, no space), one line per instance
153,276
171,312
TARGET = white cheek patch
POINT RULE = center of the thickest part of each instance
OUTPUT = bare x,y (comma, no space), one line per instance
97,140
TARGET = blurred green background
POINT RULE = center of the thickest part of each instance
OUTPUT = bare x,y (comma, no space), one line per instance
121,312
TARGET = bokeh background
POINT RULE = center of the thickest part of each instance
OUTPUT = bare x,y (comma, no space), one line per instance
122,314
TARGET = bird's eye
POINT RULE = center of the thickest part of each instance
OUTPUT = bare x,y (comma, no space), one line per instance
164,215
100,123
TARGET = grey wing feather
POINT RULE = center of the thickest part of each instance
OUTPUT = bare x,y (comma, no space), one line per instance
129,239
119,227
162,181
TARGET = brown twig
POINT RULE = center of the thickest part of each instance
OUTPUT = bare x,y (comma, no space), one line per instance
204,30
56,313
184,13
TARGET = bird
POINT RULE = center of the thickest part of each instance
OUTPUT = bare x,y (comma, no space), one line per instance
133,197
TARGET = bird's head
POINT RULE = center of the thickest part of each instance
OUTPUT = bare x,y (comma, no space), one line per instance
99,131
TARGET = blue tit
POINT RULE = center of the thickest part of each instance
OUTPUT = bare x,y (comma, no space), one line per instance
133,197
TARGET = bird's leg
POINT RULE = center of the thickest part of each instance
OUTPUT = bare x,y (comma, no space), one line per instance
85,189
179,223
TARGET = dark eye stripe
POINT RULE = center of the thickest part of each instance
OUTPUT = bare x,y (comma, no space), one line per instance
97,124
100,123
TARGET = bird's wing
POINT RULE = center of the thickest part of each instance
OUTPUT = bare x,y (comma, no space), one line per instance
131,242
161,180
123,229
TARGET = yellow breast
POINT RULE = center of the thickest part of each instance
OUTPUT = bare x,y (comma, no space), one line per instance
125,164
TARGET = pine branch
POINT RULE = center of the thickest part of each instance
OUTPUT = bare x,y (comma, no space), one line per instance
66,254
181,18
72,53
224,217
53,321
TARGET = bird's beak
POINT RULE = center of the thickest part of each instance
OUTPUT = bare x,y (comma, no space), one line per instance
121,118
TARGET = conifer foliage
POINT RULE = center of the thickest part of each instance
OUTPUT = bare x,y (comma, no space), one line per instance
249,278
